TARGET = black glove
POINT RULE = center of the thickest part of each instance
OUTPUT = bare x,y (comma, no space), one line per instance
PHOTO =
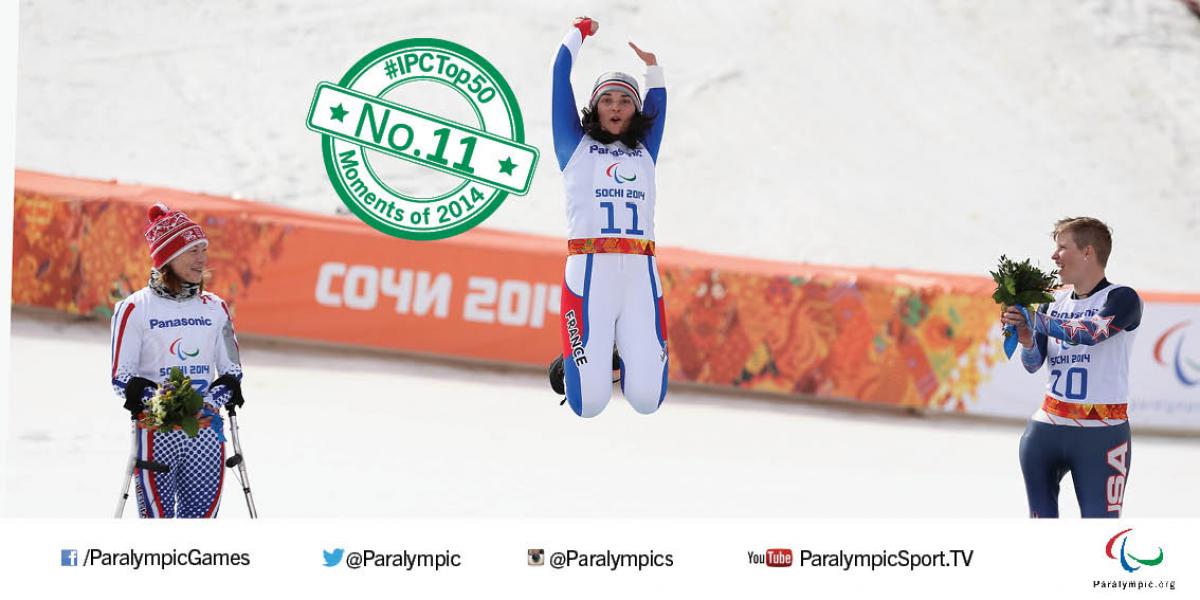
234,390
137,391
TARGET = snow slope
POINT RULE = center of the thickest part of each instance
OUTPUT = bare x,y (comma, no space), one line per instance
344,434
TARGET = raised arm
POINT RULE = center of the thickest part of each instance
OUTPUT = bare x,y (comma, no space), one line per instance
656,100
564,118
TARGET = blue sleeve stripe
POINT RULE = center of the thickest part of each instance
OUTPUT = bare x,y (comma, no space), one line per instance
655,104
568,132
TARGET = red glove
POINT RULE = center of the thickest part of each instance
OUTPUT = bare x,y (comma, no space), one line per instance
584,25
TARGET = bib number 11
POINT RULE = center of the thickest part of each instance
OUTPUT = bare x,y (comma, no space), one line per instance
612,228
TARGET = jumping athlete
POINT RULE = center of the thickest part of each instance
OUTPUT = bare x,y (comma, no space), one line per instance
611,293
173,322
1085,337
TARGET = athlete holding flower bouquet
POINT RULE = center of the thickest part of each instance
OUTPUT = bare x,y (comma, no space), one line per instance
170,329
1084,337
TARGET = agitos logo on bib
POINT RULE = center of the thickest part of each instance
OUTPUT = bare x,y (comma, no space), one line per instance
422,139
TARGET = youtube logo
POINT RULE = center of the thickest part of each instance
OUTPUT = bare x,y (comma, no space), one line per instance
773,557
779,557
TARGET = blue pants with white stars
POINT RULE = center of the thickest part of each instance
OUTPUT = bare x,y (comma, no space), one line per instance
191,489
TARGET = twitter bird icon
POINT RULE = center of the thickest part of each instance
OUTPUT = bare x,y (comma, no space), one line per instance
333,558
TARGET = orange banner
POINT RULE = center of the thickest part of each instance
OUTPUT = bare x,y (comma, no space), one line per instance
884,336
78,247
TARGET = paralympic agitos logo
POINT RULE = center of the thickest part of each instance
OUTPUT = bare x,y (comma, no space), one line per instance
177,349
1187,370
612,171
1125,556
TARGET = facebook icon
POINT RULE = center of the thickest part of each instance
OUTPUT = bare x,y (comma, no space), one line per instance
70,558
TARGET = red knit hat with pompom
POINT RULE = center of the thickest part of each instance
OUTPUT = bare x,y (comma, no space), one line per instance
170,234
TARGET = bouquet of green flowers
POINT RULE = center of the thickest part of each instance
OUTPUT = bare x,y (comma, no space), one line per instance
175,403
1020,284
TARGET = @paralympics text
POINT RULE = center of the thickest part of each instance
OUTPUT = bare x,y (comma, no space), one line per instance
611,560
132,559
904,559
405,560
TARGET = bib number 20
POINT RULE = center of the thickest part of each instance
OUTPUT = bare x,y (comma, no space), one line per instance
1075,384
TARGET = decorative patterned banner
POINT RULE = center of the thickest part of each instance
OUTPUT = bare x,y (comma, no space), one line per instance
920,340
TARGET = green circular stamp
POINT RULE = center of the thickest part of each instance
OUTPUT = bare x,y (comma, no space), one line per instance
422,139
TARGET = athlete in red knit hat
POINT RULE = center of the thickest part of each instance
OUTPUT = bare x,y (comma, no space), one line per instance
174,323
